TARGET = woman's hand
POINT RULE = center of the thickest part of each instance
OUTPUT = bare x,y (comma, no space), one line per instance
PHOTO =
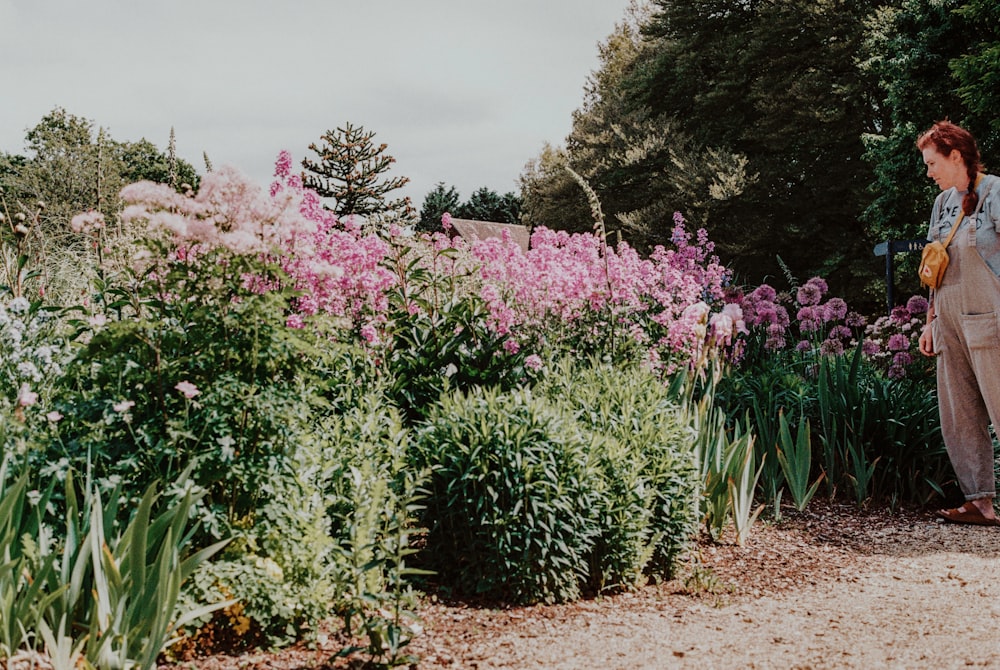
926,341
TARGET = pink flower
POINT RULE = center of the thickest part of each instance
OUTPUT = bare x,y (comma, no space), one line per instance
123,406
808,294
369,334
26,397
917,304
54,416
446,221
533,362
188,389
86,223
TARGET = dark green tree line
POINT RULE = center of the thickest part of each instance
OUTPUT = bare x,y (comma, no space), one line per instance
484,204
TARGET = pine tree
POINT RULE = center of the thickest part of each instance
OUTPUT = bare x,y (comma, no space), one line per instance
487,205
351,169
436,203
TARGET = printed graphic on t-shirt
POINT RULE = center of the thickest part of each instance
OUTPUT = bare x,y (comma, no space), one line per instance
948,215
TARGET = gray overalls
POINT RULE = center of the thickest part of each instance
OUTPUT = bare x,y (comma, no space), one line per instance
967,340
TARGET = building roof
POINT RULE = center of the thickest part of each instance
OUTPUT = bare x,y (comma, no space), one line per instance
473,230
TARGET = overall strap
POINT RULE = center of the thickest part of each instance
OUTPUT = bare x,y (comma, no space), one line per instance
961,212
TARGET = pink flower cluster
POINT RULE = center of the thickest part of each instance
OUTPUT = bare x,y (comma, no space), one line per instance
567,288
228,211
342,273
569,283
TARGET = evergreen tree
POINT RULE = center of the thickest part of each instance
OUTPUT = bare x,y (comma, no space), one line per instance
487,205
436,203
352,169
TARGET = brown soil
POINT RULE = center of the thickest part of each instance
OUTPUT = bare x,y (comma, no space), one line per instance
833,587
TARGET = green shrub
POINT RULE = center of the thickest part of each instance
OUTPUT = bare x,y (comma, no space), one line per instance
221,388
512,498
645,456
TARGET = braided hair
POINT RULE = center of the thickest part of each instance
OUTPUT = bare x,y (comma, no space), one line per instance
945,137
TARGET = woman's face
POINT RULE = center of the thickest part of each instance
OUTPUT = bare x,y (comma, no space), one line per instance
946,171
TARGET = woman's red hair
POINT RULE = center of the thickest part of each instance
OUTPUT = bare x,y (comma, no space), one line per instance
945,137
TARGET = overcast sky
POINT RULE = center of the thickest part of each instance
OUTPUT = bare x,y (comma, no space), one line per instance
463,91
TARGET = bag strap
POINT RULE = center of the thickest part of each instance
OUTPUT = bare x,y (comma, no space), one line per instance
961,214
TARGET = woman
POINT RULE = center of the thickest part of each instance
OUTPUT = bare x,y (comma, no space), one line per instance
962,322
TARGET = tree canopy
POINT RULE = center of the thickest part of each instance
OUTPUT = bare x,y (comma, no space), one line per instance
785,127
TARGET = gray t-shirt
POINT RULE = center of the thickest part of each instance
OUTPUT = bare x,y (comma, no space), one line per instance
987,217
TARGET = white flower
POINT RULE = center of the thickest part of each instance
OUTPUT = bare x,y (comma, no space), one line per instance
19,305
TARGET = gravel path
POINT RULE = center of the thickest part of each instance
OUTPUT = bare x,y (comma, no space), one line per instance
833,587
898,593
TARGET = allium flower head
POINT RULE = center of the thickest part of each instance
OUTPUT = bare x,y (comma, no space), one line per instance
831,347
917,305
808,294
764,292
901,314
835,309
899,342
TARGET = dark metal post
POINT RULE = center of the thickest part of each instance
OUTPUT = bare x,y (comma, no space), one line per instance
889,279
889,248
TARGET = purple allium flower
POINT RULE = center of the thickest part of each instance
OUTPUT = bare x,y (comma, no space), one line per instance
804,345
808,294
840,333
835,309
899,342
917,305
855,320
900,314
902,359
831,347
763,293
870,347
820,284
